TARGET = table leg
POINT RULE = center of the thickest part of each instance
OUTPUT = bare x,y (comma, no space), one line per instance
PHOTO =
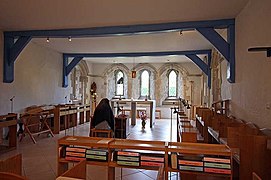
133,117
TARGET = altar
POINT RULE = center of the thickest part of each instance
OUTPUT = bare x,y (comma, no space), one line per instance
134,102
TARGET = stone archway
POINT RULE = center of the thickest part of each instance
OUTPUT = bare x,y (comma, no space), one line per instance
162,85
79,84
109,79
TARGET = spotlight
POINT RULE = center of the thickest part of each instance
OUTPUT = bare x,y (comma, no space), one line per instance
47,40
70,38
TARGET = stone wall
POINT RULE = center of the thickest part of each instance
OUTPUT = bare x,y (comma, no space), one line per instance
189,81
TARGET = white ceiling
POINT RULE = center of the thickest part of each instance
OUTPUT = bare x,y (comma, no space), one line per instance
61,14
172,41
58,14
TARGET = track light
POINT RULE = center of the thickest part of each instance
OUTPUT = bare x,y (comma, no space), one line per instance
47,40
70,38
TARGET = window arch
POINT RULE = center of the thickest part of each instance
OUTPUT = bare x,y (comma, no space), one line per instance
145,83
119,83
172,83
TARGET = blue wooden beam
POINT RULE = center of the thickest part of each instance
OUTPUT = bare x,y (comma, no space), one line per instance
190,54
123,30
202,65
137,54
226,48
11,52
65,82
199,62
68,67
213,37
209,61
231,61
72,64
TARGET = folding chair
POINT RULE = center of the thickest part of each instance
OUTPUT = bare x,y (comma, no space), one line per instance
35,123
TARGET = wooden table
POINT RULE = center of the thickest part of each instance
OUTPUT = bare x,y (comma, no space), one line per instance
134,102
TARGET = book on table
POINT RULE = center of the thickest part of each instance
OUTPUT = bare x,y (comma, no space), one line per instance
128,158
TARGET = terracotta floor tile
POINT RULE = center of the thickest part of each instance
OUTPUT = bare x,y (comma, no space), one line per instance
40,159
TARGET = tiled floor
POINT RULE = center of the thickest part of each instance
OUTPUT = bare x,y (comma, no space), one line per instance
40,159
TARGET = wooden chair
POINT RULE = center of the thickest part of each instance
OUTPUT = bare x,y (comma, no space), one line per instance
101,133
35,123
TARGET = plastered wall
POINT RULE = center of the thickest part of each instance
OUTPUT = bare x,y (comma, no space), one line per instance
38,79
251,95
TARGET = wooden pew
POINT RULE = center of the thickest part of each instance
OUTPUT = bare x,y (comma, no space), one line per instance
11,176
13,164
10,121
77,172
203,120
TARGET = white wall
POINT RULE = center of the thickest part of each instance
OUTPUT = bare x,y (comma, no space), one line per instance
251,92
38,79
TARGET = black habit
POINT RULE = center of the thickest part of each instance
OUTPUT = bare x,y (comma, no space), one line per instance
103,112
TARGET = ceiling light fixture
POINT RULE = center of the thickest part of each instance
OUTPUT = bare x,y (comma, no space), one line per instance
70,38
47,40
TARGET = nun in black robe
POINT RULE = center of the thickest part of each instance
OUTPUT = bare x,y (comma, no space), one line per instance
103,112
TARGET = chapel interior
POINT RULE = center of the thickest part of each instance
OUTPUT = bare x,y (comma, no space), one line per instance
147,90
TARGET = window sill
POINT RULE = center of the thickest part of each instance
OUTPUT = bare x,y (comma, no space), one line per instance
171,101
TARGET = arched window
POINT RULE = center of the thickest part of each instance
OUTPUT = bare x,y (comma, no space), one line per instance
172,84
145,83
119,82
